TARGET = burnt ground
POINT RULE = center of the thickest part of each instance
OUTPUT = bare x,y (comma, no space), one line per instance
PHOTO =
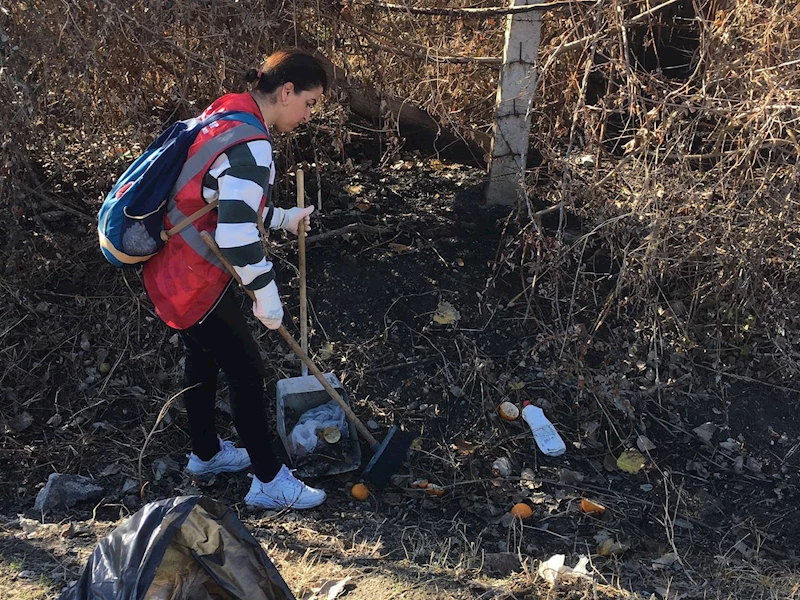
713,517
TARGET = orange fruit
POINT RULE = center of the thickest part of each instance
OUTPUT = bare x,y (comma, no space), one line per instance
435,490
419,483
359,491
521,510
592,508
509,411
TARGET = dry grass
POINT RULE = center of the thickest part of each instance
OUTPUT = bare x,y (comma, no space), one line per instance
683,256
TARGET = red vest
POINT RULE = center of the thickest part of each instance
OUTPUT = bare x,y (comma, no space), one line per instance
185,280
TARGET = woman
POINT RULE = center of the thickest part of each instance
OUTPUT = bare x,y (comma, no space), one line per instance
192,291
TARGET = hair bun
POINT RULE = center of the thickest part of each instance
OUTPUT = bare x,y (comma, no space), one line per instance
251,76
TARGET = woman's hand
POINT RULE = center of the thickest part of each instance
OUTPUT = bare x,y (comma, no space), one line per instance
267,307
293,216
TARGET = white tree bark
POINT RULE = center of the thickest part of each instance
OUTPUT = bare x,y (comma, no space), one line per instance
512,122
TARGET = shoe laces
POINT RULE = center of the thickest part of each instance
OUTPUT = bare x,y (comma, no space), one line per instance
226,446
286,477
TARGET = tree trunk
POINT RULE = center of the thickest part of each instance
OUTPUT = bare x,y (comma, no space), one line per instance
515,91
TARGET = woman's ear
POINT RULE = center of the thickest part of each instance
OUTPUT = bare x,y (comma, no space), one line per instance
286,90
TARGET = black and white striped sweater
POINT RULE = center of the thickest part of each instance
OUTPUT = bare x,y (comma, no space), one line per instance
240,177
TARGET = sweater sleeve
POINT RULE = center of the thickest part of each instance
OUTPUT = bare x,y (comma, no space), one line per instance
243,175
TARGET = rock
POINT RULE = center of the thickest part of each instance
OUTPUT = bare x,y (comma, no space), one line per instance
64,490
373,425
501,564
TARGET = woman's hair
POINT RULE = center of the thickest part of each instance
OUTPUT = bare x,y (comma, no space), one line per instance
305,71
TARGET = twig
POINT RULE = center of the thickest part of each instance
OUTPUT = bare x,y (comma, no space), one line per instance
161,414
10,327
432,55
473,12
410,363
44,197
748,379
352,227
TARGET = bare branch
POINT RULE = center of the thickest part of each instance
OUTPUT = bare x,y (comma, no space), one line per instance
474,12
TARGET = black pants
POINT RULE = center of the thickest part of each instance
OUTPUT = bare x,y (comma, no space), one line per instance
223,341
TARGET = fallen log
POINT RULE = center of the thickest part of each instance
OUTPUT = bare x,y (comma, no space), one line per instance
419,127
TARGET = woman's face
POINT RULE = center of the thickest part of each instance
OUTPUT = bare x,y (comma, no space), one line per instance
295,108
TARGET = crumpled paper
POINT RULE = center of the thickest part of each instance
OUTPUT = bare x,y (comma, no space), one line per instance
553,570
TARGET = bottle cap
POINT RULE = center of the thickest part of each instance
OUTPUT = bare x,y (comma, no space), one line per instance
525,403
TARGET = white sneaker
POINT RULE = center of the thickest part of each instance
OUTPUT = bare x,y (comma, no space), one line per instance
229,459
285,491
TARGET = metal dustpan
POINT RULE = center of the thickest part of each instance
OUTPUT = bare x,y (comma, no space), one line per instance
298,395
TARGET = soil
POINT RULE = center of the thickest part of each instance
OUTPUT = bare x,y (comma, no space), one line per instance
713,518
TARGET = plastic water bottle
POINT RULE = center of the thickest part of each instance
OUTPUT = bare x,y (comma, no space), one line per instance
544,432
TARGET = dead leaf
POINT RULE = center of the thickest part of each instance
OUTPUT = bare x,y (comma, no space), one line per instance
569,477
393,499
163,466
456,391
644,444
363,204
744,549
464,447
21,422
111,469
705,431
753,465
355,189
630,461
631,145
446,314
610,547
665,561
401,248
326,351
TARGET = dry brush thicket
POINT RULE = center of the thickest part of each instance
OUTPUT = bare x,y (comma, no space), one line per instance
688,109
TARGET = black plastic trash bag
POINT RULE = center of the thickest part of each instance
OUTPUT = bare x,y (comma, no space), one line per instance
186,548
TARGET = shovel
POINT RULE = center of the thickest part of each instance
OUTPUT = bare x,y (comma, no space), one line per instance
388,455
303,393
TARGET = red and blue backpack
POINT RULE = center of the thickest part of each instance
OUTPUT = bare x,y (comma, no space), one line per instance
130,223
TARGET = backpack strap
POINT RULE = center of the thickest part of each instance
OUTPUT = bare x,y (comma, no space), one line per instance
165,235
210,150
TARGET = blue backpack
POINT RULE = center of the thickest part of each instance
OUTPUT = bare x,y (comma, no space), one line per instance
130,223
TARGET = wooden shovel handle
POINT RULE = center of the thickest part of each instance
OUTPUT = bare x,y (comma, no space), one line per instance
301,263
362,429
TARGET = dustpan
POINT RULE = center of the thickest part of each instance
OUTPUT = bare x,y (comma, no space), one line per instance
297,395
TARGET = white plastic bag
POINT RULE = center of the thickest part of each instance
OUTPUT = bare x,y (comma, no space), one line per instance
304,439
